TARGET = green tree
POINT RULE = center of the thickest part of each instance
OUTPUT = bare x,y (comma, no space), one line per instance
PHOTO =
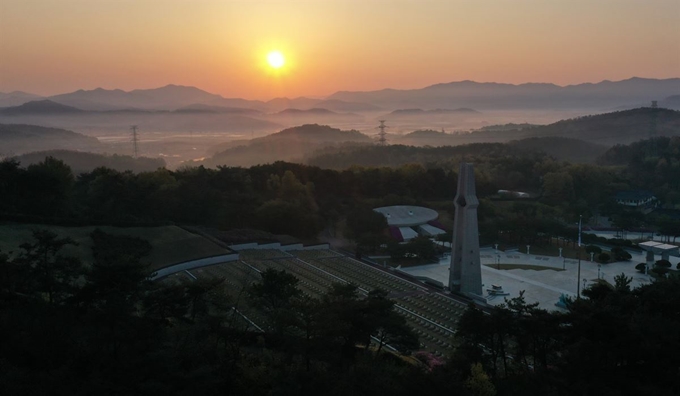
47,188
622,283
53,273
365,221
669,227
558,187
479,383
275,295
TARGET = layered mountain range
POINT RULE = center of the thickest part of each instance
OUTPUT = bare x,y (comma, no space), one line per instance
605,95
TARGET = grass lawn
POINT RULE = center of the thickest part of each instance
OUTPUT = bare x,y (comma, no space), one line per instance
170,244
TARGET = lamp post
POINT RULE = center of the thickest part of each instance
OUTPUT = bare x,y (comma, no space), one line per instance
598,271
498,261
578,276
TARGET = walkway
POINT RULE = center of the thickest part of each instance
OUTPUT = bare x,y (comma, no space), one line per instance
542,286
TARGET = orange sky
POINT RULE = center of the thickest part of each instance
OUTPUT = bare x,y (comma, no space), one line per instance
56,46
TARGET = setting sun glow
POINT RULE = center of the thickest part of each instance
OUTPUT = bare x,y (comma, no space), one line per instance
275,59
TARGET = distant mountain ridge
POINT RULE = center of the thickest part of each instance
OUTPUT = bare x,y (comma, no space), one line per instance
16,98
169,97
40,107
479,95
602,95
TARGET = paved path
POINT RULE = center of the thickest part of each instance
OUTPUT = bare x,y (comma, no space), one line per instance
541,286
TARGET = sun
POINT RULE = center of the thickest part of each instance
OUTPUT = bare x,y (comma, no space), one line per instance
276,59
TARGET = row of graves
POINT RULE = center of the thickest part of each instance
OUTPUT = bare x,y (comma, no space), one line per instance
431,313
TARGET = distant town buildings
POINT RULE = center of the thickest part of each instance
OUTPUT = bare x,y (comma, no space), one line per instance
641,199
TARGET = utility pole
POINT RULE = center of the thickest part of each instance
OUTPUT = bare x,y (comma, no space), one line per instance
578,277
134,139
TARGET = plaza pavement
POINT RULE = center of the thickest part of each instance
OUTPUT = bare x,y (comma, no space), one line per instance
542,286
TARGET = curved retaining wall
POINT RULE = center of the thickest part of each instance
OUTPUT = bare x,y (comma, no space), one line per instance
187,265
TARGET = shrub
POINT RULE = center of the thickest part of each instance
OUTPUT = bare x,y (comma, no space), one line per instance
603,257
641,267
663,264
620,254
660,271
594,249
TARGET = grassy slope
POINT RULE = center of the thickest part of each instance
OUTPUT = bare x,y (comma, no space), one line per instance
170,244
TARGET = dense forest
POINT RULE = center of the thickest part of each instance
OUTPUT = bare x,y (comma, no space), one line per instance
75,328
302,200
72,327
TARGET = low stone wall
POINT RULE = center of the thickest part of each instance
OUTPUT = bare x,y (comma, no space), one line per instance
187,265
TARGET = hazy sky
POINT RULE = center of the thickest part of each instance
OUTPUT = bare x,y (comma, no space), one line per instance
56,46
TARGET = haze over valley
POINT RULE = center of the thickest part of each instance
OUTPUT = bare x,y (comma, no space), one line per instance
340,197
179,123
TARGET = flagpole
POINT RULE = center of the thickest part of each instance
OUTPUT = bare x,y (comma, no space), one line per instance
578,277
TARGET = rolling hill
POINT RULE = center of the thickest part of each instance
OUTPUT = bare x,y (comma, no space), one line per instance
290,144
81,162
619,127
20,138
48,107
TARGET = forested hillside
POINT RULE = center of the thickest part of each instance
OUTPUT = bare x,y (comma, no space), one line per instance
81,162
301,200
621,127
19,138
288,145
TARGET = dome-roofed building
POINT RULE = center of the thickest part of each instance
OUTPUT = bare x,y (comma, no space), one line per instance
406,222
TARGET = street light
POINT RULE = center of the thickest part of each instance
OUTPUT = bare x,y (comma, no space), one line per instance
498,261
578,276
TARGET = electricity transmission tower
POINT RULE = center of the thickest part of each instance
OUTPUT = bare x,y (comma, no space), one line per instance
134,138
381,135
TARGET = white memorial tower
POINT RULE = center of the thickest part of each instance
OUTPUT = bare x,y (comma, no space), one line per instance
466,272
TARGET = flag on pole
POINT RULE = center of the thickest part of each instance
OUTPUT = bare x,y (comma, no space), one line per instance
579,231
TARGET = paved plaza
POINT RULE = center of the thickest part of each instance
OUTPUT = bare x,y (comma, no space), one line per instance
542,286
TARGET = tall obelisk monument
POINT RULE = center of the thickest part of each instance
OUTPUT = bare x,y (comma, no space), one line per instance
466,270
